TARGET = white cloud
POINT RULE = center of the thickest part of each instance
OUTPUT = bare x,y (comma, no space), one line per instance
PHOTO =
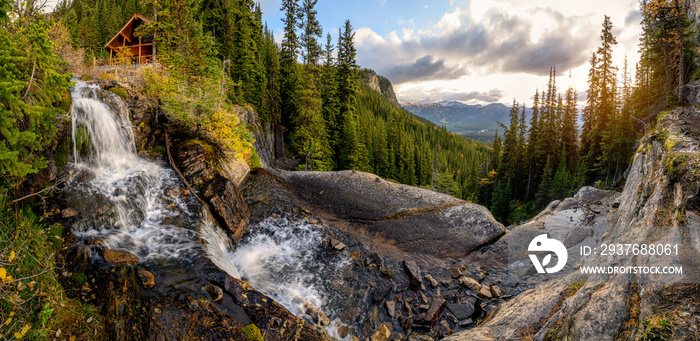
507,45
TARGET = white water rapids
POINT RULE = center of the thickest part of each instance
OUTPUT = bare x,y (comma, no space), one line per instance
137,205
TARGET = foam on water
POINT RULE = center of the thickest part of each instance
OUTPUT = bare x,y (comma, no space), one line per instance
144,212
134,204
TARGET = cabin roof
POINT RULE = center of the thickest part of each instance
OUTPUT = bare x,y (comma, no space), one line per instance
128,29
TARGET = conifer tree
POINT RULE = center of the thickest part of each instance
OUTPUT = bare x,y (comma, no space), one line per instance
329,95
289,72
545,188
349,149
532,147
311,31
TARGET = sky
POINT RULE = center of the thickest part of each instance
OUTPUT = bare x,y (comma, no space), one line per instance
478,51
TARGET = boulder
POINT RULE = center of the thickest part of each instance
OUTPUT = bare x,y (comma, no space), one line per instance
577,235
590,194
229,207
418,220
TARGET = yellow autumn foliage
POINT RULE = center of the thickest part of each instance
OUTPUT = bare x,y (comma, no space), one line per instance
200,105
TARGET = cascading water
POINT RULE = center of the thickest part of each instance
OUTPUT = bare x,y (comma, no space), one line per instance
137,205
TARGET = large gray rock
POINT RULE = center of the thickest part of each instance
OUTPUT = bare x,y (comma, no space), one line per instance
419,220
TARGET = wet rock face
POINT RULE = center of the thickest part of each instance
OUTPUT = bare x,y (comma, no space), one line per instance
220,192
230,208
202,303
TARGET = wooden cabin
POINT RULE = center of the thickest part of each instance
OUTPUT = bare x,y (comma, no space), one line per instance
125,48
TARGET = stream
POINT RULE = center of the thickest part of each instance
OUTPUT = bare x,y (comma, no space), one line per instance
139,206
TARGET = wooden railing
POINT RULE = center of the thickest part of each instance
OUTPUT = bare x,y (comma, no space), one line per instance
122,61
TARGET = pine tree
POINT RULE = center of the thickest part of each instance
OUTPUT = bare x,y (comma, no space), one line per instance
349,149
533,153
569,130
311,30
562,179
288,63
329,95
34,94
545,188
495,162
308,138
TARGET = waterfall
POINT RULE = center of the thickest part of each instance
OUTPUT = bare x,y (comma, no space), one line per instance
133,204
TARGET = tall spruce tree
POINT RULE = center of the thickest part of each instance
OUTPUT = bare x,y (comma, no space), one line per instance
311,31
349,149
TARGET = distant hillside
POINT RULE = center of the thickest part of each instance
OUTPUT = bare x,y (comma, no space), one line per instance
477,122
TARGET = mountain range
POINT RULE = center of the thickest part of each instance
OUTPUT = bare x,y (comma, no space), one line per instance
478,122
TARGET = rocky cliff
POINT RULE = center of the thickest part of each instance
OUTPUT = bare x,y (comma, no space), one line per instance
658,204
380,84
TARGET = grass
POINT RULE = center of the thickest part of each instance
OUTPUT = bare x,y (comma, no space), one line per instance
33,305
119,92
657,328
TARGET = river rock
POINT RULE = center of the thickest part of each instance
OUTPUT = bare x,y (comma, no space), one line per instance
485,291
413,273
443,329
147,278
380,291
428,318
381,334
390,308
461,311
119,257
337,245
316,315
342,331
470,283
69,212
455,271
419,337
496,291
433,282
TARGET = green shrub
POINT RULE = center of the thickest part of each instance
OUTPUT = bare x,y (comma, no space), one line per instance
253,332
119,92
